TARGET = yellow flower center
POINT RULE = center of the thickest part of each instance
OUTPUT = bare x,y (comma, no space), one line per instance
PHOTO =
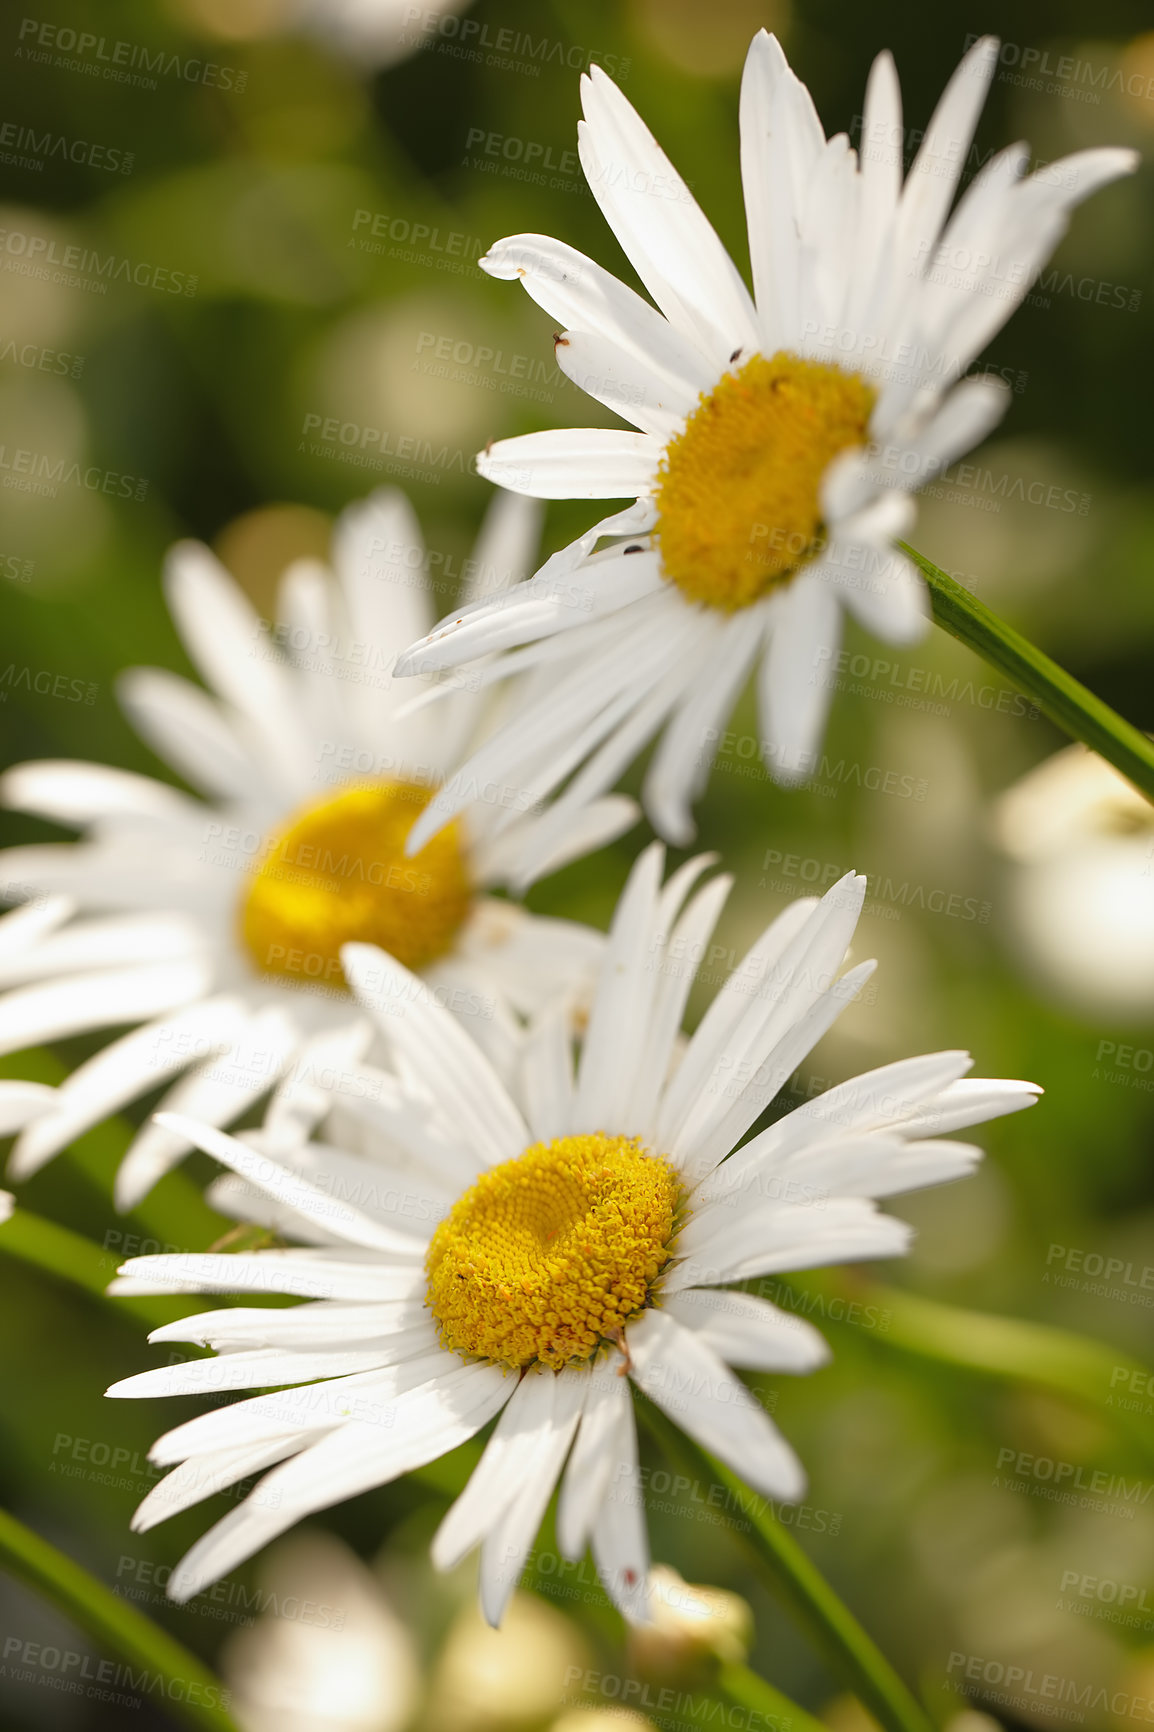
337,872
738,488
550,1254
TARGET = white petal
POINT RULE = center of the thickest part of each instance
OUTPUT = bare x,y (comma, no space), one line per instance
894,601
794,695
573,463
687,941
33,1014
596,1466
23,927
880,153
270,1175
106,941
20,1102
427,1423
378,556
509,1538
213,1093
132,1065
624,383
524,1423
918,1165
681,764
781,138
971,1101
783,1236
714,1032
185,726
618,1021
223,634
367,1396
547,1073
77,793
304,1095
786,1006
317,1323
660,226
543,606
689,1382
545,844
312,1274
205,1475
930,184
435,1050
747,1331
582,296
619,1539
270,1367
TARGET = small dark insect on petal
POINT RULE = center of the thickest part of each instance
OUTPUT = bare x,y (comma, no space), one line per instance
630,1578
634,547
734,356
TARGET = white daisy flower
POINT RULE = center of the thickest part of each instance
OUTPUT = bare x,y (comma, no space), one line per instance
524,1253
215,925
780,434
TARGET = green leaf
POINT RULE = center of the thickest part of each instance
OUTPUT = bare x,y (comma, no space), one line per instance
1075,1366
1057,694
188,1690
71,1258
801,1585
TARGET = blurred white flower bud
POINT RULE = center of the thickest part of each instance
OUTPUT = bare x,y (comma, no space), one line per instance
327,1652
1082,894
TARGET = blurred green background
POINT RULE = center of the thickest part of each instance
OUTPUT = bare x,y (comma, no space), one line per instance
295,244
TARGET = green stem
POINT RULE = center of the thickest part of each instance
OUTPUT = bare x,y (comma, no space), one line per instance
750,1690
1057,694
801,1584
188,1689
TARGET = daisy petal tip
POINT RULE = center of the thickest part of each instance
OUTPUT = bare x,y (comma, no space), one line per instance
424,830
127,1192
23,1164
676,828
793,1485
408,663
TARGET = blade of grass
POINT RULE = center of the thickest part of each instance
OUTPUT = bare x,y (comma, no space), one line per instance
1057,694
154,1661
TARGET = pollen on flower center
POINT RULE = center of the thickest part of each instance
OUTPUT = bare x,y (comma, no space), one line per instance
550,1254
337,873
738,488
